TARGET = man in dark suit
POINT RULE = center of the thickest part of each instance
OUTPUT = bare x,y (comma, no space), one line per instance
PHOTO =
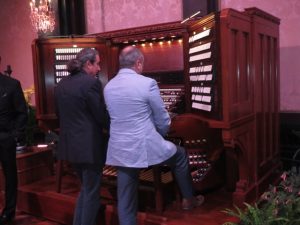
82,115
13,119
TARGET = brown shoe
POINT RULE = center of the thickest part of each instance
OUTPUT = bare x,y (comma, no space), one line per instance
188,204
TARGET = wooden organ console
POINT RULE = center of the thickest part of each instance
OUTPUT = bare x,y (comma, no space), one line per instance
218,74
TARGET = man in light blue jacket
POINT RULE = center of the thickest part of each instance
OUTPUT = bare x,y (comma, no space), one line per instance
139,122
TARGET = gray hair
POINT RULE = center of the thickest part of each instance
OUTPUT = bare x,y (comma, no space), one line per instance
128,57
86,54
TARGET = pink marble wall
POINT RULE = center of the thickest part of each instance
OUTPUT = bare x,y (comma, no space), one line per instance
15,40
289,13
110,15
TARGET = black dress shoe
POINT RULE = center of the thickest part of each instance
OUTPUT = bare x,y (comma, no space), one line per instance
188,204
6,219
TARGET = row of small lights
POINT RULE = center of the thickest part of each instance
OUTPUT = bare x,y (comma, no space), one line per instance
160,41
154,40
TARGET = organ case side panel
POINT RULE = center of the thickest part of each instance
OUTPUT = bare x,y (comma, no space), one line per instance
237,83
265,36
250,98
237,92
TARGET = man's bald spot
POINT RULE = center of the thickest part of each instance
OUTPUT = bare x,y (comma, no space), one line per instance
127,49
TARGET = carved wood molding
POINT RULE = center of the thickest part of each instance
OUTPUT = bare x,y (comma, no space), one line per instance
253,11
157,31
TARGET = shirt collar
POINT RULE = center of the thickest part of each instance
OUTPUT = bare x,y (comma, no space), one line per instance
127,71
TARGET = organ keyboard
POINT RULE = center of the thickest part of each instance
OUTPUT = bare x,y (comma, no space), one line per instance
173,97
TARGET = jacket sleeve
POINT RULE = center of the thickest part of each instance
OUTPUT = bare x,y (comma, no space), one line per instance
56,101
96,104
160,115
21,114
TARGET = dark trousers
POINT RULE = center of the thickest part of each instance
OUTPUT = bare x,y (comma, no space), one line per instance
88,202
128,179
9,166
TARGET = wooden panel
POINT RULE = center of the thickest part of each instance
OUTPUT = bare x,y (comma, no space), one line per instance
170,56
250,96
32,165
235,56
265,47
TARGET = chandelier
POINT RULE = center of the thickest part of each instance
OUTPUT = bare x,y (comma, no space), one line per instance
42,16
